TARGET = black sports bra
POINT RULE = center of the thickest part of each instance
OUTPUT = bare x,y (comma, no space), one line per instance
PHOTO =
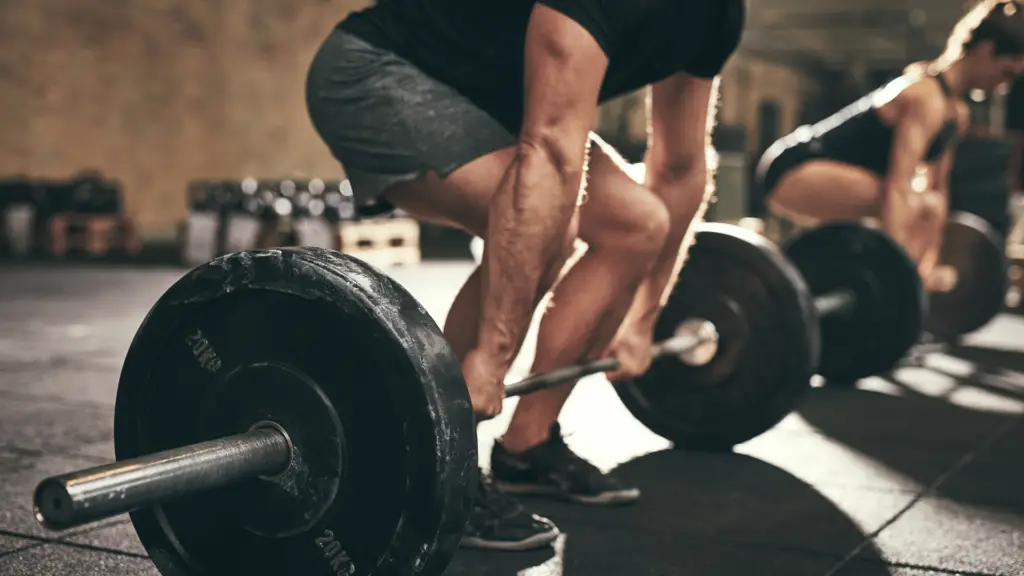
857,135
949,129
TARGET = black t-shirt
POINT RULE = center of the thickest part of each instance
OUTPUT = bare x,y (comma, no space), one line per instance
477,46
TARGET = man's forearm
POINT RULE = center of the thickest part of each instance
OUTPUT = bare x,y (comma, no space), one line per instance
528,218
686,200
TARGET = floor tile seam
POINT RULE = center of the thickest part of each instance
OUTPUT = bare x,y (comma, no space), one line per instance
927,491
64,540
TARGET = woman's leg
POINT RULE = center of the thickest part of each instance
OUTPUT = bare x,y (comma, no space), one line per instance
822,191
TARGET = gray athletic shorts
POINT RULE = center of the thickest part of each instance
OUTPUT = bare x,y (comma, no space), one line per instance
388,122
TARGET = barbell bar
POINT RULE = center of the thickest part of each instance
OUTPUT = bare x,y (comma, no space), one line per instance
695,343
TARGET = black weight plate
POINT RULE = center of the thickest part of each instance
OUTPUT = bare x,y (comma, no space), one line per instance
347,334
989,186
768,345
891,304
977,252
983,154
996,214
981,203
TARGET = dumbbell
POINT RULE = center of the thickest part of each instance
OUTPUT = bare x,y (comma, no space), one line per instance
263,198
214,196
339,201
246,216
309,200
209,202
91,193
249,202
200,196
311,228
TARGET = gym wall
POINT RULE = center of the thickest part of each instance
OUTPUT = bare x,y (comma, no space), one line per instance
748,82
160,92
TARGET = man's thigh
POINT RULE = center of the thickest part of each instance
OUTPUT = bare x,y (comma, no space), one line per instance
462,199
388,122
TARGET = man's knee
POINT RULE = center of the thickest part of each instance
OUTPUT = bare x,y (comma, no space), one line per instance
639,226
651,224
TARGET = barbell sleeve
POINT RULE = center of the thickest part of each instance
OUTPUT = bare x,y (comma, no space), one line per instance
77,498
835,302
684,340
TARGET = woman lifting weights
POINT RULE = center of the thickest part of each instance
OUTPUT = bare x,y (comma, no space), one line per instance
864,160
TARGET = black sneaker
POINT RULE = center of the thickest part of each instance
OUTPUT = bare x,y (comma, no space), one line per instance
552,469
499,522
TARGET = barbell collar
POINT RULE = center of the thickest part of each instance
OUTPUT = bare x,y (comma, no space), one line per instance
85,496
689,337
841,302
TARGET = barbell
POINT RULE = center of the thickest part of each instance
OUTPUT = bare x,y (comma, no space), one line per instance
267,449
297,411
293,411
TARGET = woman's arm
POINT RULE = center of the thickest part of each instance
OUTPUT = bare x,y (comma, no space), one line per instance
937,198
921,115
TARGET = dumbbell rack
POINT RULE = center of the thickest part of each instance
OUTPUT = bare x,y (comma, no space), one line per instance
1015,256
232,216
55,217
93,234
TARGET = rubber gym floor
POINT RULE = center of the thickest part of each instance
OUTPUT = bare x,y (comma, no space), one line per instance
918,473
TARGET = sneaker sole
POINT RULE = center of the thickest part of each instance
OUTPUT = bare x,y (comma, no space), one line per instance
532,543
627,496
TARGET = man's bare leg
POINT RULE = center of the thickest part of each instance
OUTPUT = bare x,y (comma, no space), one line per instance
625,226
462,200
